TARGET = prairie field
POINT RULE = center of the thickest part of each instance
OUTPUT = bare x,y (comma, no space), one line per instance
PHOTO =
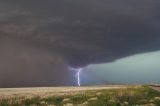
135,95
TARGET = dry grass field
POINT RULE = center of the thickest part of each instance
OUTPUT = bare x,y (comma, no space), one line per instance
47,91
117,95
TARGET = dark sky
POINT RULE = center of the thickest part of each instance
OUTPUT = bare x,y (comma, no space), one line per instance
40,39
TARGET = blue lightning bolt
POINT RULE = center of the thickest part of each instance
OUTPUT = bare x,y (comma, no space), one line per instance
78,70
78,77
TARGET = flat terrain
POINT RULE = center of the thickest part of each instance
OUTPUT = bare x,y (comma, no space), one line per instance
47,91
157,88
114,95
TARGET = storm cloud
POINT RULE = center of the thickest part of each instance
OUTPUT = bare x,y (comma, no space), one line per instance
40,36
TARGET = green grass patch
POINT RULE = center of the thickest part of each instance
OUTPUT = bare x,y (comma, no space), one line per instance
31,101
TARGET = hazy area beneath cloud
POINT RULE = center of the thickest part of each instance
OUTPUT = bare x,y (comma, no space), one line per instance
137,69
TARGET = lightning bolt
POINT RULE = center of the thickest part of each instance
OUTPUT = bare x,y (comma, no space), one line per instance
78,70
78,77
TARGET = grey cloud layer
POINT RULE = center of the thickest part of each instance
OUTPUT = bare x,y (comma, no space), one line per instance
81,32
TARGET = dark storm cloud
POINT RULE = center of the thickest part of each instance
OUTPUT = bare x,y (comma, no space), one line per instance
80,32
25,65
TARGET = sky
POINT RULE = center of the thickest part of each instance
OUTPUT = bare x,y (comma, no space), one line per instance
41,40
137,69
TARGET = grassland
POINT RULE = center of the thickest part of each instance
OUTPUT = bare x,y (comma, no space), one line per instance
128,96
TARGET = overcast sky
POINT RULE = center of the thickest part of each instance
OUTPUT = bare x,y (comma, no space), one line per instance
40,39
